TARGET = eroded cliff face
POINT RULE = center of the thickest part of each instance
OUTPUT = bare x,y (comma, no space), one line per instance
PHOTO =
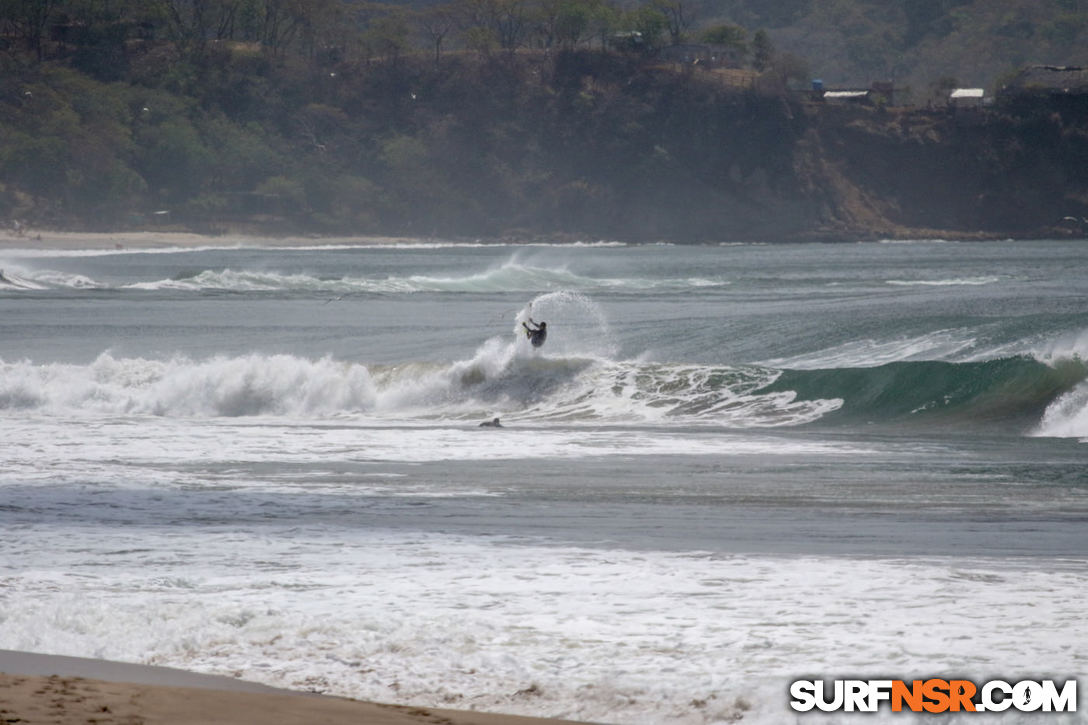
573,145
708,163
1020,170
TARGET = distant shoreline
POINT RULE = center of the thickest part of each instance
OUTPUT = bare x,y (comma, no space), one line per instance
67,240
119,241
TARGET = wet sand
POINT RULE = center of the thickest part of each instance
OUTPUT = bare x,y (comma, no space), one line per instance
38,689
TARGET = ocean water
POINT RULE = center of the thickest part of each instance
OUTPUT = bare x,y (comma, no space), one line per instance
729,467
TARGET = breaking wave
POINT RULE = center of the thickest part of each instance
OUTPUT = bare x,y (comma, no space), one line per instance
1066,417
16,279
509,277
512,380
502,378
1012,390
575,380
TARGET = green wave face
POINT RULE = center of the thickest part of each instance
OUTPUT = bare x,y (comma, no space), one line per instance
1013,391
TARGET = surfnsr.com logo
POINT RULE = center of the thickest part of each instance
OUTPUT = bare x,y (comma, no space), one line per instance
933,695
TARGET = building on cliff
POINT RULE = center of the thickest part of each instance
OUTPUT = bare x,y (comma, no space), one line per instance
1050,80
847,95
967,98
880,93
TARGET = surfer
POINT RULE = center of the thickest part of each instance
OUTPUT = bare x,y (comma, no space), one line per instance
493,423
536,334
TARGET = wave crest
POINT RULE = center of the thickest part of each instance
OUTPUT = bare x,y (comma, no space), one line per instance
219,386
570,385
1014,390
502,378
510,276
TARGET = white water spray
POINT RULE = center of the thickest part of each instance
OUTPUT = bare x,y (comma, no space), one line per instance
577,326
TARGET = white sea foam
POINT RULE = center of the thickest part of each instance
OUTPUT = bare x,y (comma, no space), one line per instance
937,345
1067,417
162,453
1048,348
16,277
502,378
578,312
600,635
1071,345
510,276
218,386
913,241
952,282
243,281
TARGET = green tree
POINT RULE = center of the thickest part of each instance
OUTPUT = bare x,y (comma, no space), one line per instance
388,35
789,67
574,22
649,23
34,162
507,21
173,158
480,39
762,51
546,19
731,36
321,26
566,22
290,192
240,155
603,22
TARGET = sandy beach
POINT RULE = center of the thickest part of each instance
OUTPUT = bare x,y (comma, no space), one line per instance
37,688
44,239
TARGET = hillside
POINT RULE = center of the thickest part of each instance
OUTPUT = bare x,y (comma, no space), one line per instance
975,42
148,129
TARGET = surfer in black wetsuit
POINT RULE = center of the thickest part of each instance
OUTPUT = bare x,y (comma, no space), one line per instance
536,334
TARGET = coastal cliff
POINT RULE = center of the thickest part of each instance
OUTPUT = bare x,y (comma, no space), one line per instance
581,144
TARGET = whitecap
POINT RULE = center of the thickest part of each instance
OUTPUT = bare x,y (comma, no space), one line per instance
951,282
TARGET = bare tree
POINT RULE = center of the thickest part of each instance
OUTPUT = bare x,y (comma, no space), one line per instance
282,21
29,19
436,22
189,21
546,20
679,18
507,20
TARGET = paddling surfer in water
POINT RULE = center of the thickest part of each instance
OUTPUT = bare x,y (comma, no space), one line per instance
537,334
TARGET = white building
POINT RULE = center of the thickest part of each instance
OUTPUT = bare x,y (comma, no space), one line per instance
966,97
